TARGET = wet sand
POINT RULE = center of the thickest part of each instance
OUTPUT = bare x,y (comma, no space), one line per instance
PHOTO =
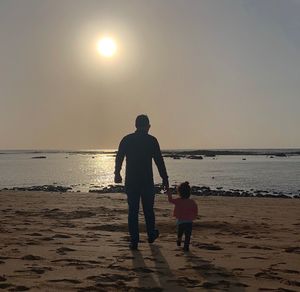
79,242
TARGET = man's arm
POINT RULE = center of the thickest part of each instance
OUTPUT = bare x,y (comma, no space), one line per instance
119,161
159,161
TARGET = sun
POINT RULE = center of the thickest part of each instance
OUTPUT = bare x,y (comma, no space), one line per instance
107,47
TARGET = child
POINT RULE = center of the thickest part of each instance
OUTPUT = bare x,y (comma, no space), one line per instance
185,211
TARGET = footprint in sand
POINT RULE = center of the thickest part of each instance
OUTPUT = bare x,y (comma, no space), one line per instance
207,246
35,270
62,236
5,285
34,234
31,257
72,281
294,249
64,250
19,288
186,282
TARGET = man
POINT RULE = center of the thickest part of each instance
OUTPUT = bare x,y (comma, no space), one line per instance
139,148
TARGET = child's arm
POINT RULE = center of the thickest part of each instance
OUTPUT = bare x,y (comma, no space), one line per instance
169,193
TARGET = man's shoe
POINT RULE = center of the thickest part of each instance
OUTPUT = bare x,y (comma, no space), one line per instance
178,242
154,236
133,246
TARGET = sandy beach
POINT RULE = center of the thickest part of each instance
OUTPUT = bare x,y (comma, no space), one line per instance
79,242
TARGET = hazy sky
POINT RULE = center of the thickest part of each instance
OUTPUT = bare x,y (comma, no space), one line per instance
209,73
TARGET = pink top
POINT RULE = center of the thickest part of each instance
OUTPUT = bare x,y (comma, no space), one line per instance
185,209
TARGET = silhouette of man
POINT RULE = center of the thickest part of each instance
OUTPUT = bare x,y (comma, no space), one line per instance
139,148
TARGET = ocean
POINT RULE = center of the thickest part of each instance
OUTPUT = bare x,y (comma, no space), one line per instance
86,170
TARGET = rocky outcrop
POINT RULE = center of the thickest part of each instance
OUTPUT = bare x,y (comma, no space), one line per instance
38,157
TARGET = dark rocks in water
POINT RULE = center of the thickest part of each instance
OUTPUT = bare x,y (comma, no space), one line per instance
109,189
38,157
174,156
195,190
280,155
195,157
44,188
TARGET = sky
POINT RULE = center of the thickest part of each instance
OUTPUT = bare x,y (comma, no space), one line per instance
208,73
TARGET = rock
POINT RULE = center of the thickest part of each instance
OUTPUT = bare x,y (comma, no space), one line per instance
280,155
174,156
44,188
39,157
195,157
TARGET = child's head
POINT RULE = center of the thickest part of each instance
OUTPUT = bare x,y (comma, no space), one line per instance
184,190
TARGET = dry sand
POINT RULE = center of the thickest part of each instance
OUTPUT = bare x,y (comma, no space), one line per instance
79,242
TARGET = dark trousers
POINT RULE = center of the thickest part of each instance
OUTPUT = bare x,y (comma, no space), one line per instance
185,228
134,194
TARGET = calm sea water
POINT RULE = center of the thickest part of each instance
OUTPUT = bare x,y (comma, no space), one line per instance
84,170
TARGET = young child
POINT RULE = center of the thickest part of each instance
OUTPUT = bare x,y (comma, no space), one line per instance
185,211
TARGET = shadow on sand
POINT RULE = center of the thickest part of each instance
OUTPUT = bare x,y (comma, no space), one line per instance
161,277
213,277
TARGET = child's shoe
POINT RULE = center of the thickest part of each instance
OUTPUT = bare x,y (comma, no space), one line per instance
186,248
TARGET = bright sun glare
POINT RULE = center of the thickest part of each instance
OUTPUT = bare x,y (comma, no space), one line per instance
107,47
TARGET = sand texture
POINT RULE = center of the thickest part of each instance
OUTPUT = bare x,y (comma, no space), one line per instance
79,242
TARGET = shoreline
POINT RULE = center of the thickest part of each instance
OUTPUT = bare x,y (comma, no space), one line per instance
195,190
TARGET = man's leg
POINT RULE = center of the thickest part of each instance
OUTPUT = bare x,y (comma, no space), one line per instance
148,196
133,200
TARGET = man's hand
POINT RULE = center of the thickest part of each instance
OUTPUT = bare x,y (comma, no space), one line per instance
118,178
165,183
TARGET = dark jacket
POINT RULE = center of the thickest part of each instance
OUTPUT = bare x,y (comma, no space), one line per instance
139,148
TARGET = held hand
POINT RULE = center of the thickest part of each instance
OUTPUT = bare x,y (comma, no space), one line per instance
165,184
118,178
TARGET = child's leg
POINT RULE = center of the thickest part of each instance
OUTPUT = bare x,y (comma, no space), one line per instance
187,235
180,230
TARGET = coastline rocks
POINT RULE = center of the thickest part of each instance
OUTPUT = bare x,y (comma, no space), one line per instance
38,157
44,188
210,155
174,156
280,155
109,189
201,191
195,190
195,157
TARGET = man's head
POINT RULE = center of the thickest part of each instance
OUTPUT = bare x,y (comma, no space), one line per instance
142,123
